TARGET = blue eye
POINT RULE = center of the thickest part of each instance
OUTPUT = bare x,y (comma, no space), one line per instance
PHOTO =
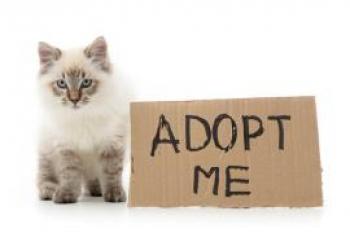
62,84
86,83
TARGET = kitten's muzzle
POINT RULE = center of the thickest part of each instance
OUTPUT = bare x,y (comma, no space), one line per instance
74,96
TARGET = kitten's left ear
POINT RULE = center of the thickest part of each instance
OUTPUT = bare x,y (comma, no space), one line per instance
97,52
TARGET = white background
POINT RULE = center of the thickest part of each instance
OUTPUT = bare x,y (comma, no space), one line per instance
181,49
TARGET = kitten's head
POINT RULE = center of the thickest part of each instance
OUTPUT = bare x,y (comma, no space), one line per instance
75,79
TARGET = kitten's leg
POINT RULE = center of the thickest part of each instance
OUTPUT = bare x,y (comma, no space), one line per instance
47,182
94,188
111,162
69,174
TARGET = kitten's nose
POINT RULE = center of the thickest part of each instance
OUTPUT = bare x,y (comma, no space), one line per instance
74,96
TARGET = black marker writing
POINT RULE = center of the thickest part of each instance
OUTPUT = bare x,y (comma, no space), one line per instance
247,134
206,126
157,140
212,170
279,120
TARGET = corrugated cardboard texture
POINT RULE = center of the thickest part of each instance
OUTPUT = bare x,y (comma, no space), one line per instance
267,172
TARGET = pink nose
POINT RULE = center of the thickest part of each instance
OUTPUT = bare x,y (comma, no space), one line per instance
74,96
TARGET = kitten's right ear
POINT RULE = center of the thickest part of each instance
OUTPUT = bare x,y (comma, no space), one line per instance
48,54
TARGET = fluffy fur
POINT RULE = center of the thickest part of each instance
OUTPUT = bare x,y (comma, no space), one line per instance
82,142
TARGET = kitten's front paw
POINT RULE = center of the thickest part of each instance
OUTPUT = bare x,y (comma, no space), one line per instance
95,192
115,195
94,188
46,191
65,196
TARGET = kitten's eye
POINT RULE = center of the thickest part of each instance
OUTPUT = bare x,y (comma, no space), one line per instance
86,83
62,84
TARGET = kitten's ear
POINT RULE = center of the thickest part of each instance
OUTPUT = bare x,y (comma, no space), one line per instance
97,51
48,54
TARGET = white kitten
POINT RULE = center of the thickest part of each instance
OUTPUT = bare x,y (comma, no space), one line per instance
84,129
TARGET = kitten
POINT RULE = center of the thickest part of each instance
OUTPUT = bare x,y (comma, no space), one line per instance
83,134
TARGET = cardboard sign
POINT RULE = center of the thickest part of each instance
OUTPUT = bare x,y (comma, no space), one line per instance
229,153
